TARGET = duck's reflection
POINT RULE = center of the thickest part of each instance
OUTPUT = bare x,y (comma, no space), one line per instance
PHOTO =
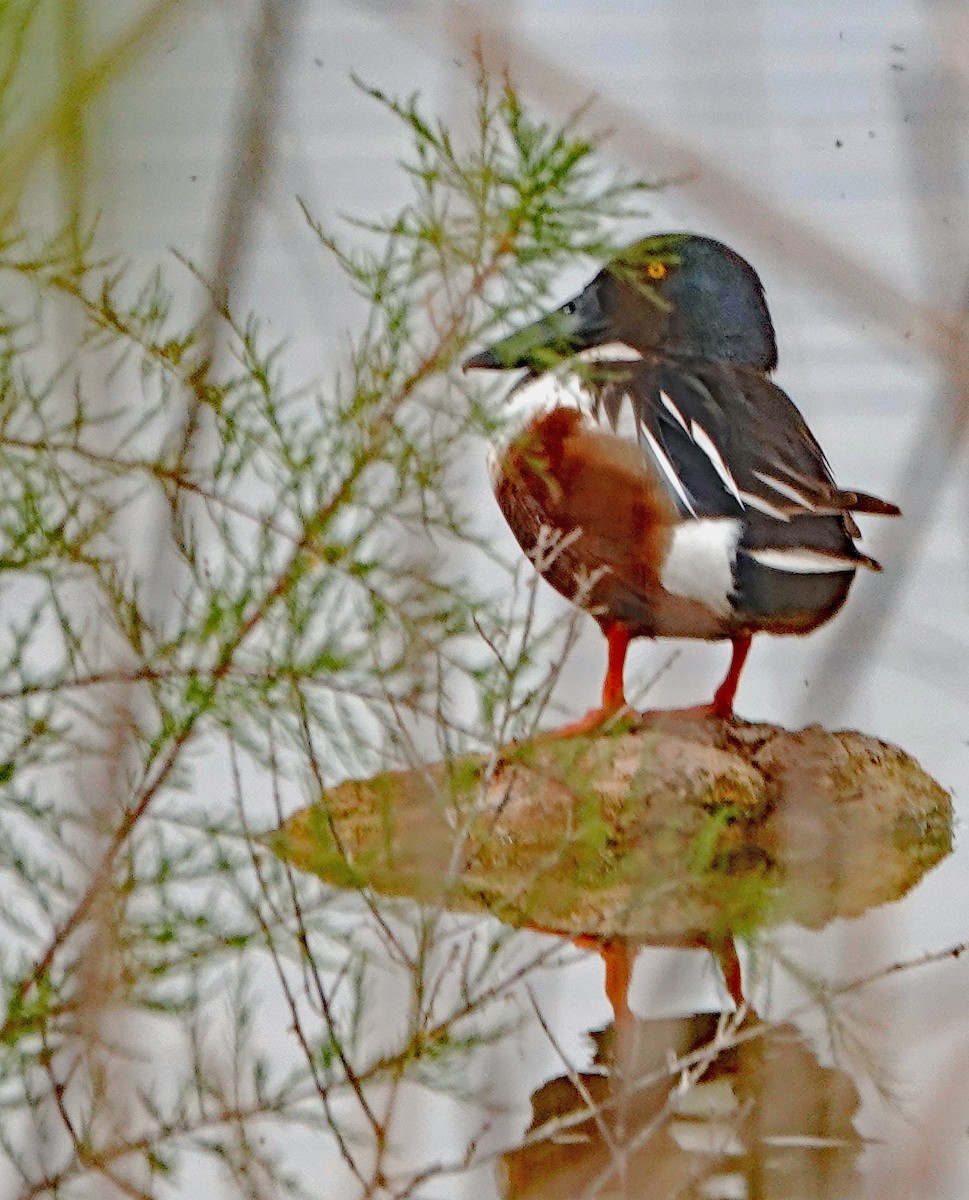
696,1108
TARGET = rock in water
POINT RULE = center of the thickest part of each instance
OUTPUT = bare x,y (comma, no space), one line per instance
677,828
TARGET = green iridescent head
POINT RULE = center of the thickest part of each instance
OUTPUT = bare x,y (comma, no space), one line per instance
675,294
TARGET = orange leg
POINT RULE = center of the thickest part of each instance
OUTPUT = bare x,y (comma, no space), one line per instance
613,693
725,952
722,705
618,638
618,955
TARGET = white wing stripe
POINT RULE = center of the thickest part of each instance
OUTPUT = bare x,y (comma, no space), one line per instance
674,412
706,444
752,501
800,561
785,489
667,468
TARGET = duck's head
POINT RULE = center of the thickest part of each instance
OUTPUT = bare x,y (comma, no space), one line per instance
674,294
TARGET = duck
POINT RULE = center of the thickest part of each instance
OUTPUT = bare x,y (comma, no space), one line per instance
662,481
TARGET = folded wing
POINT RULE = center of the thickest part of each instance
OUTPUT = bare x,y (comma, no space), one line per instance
729,443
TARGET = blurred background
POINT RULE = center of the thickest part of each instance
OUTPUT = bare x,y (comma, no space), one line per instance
828,143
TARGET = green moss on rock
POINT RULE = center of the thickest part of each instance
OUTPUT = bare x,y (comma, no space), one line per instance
679,828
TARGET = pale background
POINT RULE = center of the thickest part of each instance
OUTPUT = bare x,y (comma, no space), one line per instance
826,141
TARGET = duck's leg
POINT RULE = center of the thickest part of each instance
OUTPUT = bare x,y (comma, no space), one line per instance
724,950
613,692
722,705
618,638
618,955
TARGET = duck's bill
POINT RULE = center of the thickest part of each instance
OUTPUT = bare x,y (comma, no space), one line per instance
541,345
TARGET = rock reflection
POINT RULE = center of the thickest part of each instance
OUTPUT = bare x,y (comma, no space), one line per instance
696,1108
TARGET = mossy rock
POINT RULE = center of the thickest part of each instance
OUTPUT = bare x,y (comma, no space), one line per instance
677,828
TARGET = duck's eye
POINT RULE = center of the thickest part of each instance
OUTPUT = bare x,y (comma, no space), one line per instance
656,270
569,308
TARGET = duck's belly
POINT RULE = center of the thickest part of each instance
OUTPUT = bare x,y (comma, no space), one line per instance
787,602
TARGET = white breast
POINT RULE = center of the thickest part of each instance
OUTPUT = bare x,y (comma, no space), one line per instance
700,561
543,393
533,397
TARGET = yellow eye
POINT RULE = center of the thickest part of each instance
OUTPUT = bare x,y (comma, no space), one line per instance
656,270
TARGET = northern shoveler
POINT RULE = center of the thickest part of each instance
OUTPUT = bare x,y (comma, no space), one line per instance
682,491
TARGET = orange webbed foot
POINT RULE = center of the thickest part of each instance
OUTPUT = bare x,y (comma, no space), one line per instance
694,712
595,720
613,707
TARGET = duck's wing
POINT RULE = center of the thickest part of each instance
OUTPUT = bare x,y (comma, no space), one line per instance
729,443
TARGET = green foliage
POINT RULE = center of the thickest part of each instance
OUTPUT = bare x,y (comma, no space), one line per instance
211,612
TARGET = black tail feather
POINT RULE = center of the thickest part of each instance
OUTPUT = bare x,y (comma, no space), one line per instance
863,503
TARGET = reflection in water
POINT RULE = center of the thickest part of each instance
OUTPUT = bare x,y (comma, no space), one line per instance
675,831
747,1113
